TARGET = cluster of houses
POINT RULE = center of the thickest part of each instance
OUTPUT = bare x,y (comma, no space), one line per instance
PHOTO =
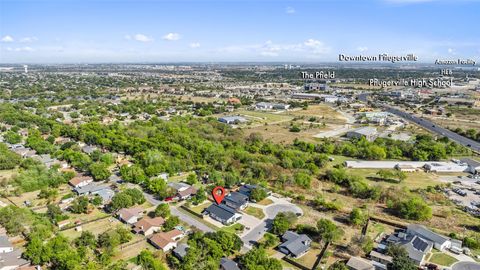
10,257
228,211
417,240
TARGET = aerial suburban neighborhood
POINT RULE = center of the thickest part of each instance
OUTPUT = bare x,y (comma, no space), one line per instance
239,135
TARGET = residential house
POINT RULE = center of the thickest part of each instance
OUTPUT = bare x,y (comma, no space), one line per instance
440,242
166,240
417,247
380,257
184,191
247,189
130,215
227,264
357,263
80,181
369,133
222,213
12,260
180,251
148,225
236,200
294,244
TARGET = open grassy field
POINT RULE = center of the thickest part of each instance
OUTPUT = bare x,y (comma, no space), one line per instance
96,227
128,251
256,212
264,117
280,133
442,259
414,179
6,174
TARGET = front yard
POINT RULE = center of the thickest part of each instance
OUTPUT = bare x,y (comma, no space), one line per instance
256,212
442,259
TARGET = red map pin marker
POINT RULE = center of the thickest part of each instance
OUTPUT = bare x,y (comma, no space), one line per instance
218,194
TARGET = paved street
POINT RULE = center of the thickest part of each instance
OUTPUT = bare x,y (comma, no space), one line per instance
475,146
279,205
176,212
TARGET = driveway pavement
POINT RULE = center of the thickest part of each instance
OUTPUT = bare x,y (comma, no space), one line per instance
279,205
466,266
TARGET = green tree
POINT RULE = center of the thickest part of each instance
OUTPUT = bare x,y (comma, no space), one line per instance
338,265
162,210
358,217
258,194
171,223
257,259
328,231
147,261
79,205
99,171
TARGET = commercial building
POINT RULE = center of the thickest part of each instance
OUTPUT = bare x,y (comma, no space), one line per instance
369,133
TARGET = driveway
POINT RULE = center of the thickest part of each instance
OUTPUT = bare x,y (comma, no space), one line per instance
181,215
256,233
466,266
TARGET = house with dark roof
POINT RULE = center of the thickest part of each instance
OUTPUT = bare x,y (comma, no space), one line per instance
236,200
439,241
180,251
247,189
417,247
222,213
294,244
227,264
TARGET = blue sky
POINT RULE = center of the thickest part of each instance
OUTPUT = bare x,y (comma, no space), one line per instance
38,31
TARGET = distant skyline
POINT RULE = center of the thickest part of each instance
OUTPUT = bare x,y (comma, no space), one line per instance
72,31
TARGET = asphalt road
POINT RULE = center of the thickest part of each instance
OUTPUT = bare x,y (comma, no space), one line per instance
475,146
181,215
466,266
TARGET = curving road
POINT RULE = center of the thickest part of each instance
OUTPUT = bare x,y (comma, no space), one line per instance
466,266
475,146
271,211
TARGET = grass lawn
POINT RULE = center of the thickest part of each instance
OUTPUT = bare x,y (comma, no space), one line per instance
199,208
199,219
96,227
309,258
265,201
265,116
256,212
237,227
442,259
414,179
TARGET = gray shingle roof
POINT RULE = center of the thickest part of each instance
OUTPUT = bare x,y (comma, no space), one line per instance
228,264
295,243
236,199
181,250
427,234
221,211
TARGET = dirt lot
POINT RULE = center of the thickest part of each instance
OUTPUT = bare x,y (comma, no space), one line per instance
96,227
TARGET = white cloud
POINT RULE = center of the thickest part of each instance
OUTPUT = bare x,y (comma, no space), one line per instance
28,39
362,49
451,51
7,38
290,10
271,49
139,37
316,46
172,36
20,49
194,45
